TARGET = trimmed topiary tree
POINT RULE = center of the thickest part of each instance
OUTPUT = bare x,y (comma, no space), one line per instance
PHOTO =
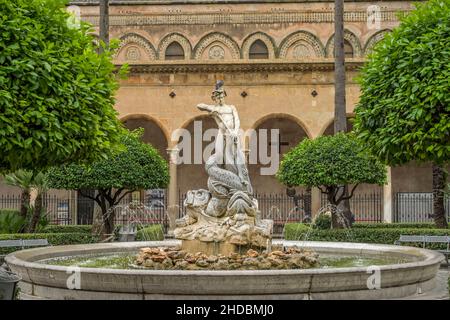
138,167
56,92
329,163
404,109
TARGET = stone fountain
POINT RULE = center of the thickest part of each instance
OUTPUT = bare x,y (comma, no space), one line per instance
225,218
224,251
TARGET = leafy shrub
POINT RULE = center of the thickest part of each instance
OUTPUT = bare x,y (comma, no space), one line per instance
153,232
11,221
322,221
67,229
297,231
55,239
417,225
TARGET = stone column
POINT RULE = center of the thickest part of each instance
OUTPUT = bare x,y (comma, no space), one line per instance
172,203
73,206
387,198
315,201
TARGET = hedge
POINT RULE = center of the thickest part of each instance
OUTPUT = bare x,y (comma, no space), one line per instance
298,231
9,211
413,225
67,229
153,232
55,239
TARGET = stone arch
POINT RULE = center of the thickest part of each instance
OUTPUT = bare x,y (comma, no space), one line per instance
303,44
351,38
219,40
286,116
291,131
266,39
328,128
134,47
147,118
373,40
175,37
191,172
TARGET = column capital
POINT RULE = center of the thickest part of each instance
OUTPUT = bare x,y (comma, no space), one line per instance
173,154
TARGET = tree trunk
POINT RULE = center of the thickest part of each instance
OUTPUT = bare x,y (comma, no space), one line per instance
331,197
344,206
340,117
24,208
439,178
37,210
25,203
107,220
339,217
340,113
106,200
107,203
104,22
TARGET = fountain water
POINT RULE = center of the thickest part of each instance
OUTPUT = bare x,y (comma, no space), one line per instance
136,217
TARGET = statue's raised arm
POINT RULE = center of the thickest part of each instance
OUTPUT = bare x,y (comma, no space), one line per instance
205,107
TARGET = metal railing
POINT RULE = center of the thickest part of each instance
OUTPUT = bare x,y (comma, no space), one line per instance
416,207
151,207
57,210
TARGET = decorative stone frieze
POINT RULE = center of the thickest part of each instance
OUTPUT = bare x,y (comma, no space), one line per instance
247,18
305,44
268,41
137,41
175,37
242,66
351,38
377,36
216,37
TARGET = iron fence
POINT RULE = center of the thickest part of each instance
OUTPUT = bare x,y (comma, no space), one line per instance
150,207
144,207
367,207
416,207
57,209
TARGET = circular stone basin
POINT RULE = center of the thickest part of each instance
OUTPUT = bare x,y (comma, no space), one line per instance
413,271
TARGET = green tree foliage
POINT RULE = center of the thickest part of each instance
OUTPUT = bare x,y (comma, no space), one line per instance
329,163
404,109
138,167
56,92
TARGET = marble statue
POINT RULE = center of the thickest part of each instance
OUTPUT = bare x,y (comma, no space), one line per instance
227,211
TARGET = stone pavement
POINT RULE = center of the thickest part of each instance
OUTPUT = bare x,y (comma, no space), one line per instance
440,292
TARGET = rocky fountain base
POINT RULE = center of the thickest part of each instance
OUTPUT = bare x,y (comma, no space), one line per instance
178,259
